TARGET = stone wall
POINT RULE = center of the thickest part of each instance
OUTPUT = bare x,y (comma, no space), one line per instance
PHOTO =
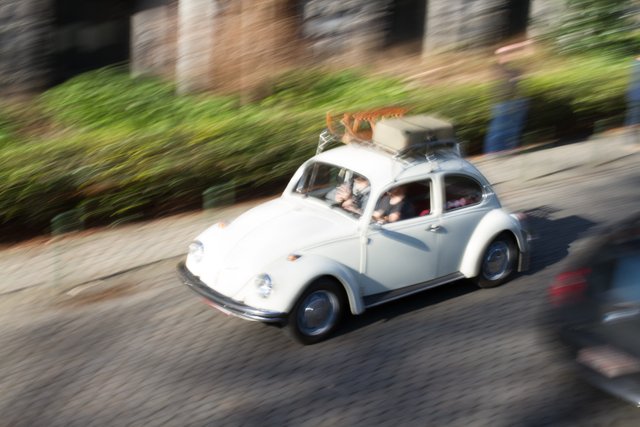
254,40
209,44
464,23
196,27
24,51
153,38
343,27
544,15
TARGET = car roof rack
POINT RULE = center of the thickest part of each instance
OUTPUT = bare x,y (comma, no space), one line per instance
411,139
429,151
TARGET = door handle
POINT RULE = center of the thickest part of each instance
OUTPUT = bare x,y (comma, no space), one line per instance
434,228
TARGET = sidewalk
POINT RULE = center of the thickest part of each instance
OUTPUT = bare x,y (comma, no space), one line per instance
79,258
530,164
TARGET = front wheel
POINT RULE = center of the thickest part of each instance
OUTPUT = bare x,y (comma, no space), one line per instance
498,262
317,313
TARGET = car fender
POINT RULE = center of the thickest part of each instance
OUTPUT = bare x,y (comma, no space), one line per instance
491,225
295,276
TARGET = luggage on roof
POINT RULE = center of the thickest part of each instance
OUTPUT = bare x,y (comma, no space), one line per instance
399,134
409,137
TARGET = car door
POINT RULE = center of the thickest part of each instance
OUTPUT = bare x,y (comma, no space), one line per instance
606,322
463,206
402,253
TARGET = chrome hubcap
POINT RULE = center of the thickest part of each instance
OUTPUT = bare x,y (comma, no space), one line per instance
496,261
318,312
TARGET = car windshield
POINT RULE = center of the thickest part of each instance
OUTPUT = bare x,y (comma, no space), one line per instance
336,186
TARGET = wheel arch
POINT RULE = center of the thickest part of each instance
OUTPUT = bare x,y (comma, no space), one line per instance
492,225
311,268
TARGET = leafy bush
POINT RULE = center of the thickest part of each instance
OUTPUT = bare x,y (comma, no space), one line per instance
6,129
609,26
119,146
573,98
109,98
347,90
37,181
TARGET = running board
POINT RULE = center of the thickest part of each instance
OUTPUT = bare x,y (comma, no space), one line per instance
384,297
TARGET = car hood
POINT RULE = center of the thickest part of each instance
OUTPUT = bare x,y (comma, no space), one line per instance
235,253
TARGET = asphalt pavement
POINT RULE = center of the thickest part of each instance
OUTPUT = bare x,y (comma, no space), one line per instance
79,259
99,332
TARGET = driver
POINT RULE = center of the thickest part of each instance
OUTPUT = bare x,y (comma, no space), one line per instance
354,199
394,206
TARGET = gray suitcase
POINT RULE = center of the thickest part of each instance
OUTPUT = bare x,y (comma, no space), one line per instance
399,134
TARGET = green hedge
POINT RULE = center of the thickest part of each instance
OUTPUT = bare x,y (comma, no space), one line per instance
119,146
7,130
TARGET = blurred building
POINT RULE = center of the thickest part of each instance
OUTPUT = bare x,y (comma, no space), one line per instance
204,44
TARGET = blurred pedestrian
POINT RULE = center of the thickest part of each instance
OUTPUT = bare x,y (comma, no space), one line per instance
510,109
508,77
633,98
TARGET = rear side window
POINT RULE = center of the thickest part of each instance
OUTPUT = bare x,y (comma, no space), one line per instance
626,277
461,191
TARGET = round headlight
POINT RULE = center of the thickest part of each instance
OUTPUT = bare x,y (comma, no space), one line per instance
196,251
264,285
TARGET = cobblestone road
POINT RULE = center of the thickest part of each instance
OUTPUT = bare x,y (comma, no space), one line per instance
139,349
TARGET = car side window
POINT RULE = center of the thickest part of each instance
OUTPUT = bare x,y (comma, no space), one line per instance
419,193
404,201
461,191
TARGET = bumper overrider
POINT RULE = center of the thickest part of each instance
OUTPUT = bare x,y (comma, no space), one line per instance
524,260
226,304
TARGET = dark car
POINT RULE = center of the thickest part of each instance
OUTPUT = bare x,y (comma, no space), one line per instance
595,307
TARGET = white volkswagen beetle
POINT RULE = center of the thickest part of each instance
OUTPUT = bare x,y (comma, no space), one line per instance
358,226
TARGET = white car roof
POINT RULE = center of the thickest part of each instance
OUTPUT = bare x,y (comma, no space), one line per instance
382,168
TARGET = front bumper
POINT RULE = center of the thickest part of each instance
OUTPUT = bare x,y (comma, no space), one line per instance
524,260
226,304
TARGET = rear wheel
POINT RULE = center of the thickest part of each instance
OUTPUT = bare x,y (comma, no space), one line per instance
318,312
498,262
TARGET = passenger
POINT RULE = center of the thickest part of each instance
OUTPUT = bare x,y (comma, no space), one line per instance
354,199
393,206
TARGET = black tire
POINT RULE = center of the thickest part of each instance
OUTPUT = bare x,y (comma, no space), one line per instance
498,262
325,298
